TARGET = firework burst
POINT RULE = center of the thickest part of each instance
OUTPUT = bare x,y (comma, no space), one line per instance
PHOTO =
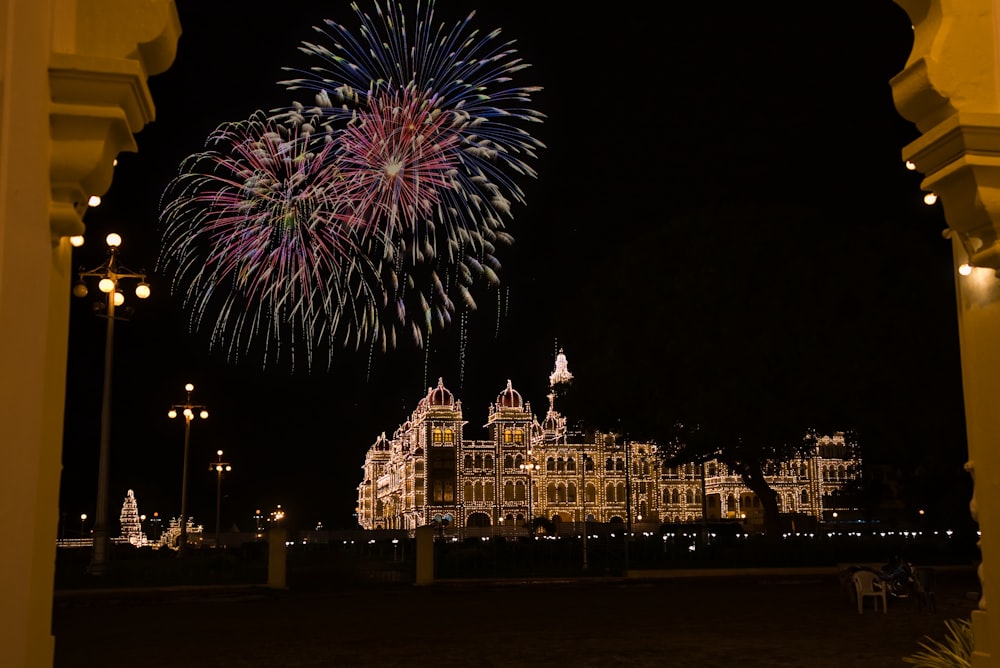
368,214
430,145
261,247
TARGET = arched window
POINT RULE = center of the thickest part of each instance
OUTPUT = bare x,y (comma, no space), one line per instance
826,473
620,464
518,461
438,493
508,462
508,436
488,462
645,468
591,493
449,436
479,461
570,465
689,496
676,496
841,471
560,464
479,491
468,490
621,492
437,434
571,493
518,436
666,496
489,491
609,493
519,491
449,493
468,461
609,465
550,464
805,497
508,491
588,464
550,492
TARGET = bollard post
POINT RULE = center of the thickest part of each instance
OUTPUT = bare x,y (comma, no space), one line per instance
276,558
425,555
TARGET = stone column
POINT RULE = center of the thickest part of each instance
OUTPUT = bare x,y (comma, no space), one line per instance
72,93
949,90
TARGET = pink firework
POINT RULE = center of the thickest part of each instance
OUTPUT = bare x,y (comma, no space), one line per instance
262,247
396,162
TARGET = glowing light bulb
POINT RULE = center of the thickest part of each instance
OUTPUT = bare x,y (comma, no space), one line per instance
965,269
930,198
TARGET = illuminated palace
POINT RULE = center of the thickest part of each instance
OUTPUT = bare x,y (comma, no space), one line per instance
526,468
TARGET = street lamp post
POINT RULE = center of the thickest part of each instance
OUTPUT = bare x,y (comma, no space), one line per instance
108,275
187,409
83,522
583,499
219,467
628,499
155,529
528,467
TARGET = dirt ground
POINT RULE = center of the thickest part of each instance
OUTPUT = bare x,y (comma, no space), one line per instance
802,619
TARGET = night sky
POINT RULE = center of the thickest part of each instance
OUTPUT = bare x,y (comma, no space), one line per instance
720,211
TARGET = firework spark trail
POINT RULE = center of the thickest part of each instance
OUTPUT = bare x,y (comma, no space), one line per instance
256,237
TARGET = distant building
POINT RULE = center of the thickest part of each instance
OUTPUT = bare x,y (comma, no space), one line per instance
525,468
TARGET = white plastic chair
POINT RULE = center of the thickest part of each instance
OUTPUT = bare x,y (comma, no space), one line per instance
866,585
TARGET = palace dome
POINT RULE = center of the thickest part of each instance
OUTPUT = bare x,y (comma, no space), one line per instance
382,443
509,398
440,395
